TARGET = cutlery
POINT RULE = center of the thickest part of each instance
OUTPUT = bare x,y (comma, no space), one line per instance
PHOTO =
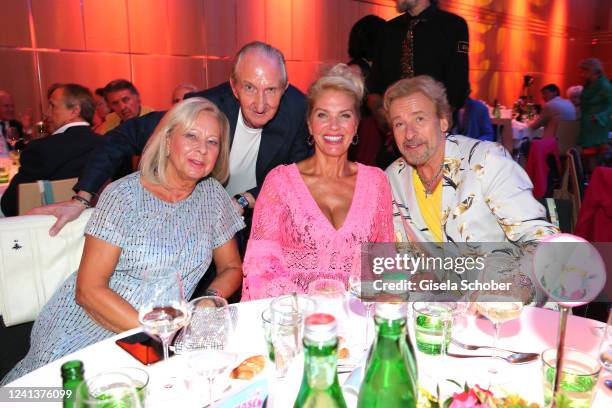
516,358
473,347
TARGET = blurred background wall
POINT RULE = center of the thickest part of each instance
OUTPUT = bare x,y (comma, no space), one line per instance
158,44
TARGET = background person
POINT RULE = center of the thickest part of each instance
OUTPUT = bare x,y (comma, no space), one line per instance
147,212
65,152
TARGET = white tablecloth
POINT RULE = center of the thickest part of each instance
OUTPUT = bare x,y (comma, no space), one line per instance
533,332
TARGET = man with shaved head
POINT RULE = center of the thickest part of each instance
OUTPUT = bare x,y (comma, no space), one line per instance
267,120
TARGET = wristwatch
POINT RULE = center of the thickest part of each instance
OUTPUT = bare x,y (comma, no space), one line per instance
242,201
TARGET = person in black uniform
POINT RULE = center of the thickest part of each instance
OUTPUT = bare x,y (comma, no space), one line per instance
424,40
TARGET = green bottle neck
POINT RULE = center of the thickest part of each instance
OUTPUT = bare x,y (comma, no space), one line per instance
320,364
390,329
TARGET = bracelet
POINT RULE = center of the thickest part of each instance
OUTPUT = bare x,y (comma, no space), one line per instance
212,292
82,200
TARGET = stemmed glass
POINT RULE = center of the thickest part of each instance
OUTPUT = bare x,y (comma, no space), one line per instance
498,309
367,296
206,337
605,349
163,310
12,136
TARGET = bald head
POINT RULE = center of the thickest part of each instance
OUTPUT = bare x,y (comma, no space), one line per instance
7,108
258,81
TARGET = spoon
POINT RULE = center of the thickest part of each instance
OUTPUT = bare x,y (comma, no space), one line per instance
516,358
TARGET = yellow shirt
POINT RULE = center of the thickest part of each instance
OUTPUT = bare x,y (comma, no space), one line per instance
429,205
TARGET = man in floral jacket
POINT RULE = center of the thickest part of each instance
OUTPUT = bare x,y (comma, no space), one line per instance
453,188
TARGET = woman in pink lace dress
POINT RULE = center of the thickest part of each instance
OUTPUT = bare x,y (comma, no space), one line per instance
312,217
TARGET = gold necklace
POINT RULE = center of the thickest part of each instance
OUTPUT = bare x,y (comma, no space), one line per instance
428,184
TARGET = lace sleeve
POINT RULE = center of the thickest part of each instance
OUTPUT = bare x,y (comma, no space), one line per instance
384,213
263,261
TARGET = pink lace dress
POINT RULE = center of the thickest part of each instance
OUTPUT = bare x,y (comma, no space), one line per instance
292,243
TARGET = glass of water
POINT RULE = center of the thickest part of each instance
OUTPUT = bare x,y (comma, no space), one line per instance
288,314
580,372
433,323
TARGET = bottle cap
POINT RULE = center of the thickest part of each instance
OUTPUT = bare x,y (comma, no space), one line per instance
320,327
72,368
391,310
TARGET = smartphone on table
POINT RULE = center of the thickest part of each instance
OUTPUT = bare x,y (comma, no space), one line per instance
144,348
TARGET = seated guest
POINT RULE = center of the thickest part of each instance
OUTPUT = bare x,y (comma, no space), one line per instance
123,99
311,218
65,152
178,94
555,109
144,221
473,121
596,112
268,128
573,94
453,188
102,110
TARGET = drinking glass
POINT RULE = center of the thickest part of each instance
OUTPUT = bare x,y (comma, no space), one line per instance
498,309
266,322
330,295
163,310
108,390
12,136
605,349
288,314
210,326
433,322
578,379
367,296
211,364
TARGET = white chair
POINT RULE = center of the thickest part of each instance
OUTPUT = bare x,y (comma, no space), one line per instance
33,264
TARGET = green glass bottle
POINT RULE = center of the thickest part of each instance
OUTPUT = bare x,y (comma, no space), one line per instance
320,387
72,377
390,379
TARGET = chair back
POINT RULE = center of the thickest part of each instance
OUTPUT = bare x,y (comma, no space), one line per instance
567,134
43,192
33,264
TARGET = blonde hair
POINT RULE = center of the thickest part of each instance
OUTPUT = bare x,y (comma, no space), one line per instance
426,85
340,78
182,116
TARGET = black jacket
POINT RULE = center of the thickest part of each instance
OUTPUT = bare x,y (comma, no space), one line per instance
440,50
54,157
283,139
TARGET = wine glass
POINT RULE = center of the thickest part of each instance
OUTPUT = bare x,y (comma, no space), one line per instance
163,310
498,309
12,136
211,326
206,337
367,295
211,364
605,349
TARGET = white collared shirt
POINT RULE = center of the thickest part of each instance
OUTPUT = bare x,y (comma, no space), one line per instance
69,125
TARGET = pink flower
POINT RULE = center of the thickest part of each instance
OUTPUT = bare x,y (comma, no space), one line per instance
474,398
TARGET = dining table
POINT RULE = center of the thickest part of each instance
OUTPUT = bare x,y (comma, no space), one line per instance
534,331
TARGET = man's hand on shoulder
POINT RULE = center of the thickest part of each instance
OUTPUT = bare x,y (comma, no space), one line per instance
64,211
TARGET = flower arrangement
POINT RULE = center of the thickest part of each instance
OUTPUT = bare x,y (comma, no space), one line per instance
472,397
